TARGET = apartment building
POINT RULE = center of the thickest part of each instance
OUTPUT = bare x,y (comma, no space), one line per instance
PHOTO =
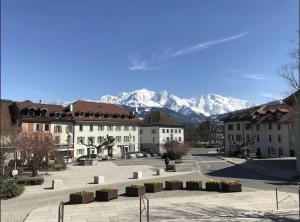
265,130
157,129
94,122
47,120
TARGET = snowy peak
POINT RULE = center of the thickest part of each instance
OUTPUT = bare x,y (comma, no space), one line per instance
209,104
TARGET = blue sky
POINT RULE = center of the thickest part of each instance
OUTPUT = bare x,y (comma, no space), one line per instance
65,50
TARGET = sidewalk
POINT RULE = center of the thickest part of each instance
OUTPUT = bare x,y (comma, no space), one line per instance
246,206
260,168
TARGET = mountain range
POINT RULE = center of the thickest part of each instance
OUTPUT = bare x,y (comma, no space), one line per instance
195,109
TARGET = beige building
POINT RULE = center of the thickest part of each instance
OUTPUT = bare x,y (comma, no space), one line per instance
266,131
157,129
93,122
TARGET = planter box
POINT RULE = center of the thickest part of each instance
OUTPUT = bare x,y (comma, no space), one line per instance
153,188
193,186
212,186
174,186
106,195
231,187
135,192
81,199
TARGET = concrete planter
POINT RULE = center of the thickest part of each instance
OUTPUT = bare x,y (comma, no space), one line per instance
231,187
174,185
153,187
194,185
81,198
107,195
212,186
135,191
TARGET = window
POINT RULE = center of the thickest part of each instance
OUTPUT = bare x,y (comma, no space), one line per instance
179,131
167,130
80,127
270,126
100,139
280,151
278,126
230,126
270,138
57,129
118,128
248,138
257,127
133,139
279,115
126,128
57,140
171,130
229,138
247,126
91,140
80,151
153,139
126,138
38,127
179,139
80,140
47,127
153,131
168,138
91,128
118,139
69,139
141,131
100,128
257,138
69,129
133,128
279,138
238,126
238,138
109,128
163,130
175,130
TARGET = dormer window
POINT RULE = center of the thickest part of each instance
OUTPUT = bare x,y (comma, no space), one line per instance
279,115
269,116
77,114
97,115
87,114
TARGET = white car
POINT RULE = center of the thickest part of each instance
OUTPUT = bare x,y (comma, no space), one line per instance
67,159
138,154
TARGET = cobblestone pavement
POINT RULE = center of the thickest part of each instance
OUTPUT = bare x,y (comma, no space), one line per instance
16,209
246,206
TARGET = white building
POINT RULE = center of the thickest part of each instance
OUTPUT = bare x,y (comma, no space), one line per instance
93,122
265,130
157,129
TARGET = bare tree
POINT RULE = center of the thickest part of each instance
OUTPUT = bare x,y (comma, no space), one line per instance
290,71
176,150
34,149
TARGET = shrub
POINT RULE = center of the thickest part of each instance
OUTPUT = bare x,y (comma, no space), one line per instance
230,182
10,189
105,189
178,161
174,181
213,182
136,186
153,182
176,150
193,181
81,193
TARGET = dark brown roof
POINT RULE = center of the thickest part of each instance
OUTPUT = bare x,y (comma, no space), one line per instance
95,111
159,119
51,108
290,100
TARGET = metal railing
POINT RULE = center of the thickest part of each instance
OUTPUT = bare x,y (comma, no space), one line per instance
144,207
287,195
61,208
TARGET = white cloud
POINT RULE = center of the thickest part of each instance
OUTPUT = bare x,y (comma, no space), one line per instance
158,58
204,45
253,76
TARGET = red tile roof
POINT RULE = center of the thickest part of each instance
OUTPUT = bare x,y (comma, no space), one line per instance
159,119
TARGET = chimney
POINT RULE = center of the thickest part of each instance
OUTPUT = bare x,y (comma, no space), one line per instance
71,108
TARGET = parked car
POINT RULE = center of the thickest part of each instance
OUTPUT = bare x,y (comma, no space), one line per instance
138,154
67,159
152,153
146,154
131,155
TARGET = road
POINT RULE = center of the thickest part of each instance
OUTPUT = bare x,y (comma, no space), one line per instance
209,166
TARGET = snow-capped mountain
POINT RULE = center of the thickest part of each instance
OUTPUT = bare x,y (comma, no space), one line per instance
210,104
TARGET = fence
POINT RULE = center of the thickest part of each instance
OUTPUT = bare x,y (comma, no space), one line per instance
144,207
